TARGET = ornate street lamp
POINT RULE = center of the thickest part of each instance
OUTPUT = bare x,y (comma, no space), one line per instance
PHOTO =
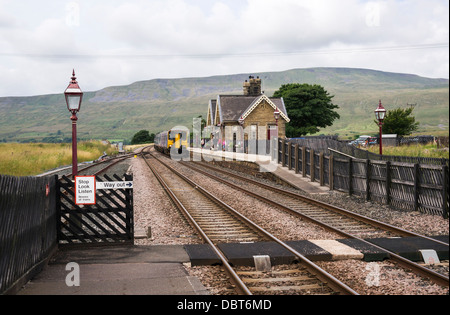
380,114
276,115
243,146
74,96
274,142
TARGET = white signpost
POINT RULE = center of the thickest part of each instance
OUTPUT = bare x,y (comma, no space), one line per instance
85,190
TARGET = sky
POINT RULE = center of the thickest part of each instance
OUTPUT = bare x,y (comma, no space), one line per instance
117,42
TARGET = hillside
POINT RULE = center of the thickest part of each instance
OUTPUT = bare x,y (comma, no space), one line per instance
118,112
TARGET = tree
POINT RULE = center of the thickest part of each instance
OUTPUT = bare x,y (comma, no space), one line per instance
202,124
142,136
309,108
399,121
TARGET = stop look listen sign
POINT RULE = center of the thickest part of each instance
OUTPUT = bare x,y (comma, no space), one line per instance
85,190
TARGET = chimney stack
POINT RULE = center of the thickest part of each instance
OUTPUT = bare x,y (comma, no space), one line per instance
252,87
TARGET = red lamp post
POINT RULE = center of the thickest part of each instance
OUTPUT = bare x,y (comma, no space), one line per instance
241,121
380,114
276,115
274,142
74,96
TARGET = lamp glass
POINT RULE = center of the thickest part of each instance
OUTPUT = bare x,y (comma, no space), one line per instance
276,114
380,114
73,102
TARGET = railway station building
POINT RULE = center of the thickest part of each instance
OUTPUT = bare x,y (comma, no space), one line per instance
234,121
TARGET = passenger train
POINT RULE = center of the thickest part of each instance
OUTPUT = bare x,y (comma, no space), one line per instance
174,141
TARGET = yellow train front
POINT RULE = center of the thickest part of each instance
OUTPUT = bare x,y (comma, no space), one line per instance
174,142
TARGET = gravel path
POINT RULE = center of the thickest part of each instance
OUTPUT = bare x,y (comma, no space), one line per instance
153,209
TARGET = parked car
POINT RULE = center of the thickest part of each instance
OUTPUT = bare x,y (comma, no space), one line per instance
373,140
360,141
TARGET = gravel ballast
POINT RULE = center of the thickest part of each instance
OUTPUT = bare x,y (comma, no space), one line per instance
152,209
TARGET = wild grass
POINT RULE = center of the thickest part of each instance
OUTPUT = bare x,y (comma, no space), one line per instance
27,159
135,146
417,150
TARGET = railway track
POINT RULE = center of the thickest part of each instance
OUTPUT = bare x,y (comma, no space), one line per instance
348,224
217,223
104,165
95,168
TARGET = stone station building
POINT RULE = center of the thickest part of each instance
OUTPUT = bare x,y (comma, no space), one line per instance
243,123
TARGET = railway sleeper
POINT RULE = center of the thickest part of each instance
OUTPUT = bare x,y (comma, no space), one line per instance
280,289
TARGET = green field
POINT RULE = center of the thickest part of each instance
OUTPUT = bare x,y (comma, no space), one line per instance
119,112
26,159
417,150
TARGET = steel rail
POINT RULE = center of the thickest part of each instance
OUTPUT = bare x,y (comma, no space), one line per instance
432,275
321,204
81,164
110,165
321,274
113,161
240,285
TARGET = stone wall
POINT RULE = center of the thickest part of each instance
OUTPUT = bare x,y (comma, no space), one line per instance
263,117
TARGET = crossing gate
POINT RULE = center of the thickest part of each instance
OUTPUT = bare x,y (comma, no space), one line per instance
109,221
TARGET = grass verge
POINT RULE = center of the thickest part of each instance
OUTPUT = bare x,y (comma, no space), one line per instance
26,159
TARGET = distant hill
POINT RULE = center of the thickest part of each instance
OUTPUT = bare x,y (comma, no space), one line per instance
118,112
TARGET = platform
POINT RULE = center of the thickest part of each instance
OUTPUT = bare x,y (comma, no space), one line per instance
159,270
118,270
283,173
300,182
241,254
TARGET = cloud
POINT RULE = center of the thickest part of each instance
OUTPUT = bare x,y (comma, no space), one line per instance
172,27
119,42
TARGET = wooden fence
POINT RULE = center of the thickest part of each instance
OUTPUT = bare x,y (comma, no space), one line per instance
324,145
27,228
406,186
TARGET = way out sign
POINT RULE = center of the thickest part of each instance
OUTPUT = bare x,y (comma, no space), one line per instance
115,185
85,190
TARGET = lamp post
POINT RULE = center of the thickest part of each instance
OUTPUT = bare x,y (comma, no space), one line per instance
241,121
276,115
380,114
74,96
274,142
242,147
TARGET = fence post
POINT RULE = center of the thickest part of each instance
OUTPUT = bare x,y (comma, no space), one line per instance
350,177
416,187
311,166
280,147
368,180
283,152
289,155
58,208
321,169
331,172
388,182
304,161
444,191
296,158
130,212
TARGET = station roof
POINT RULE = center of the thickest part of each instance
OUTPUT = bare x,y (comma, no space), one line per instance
231,108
